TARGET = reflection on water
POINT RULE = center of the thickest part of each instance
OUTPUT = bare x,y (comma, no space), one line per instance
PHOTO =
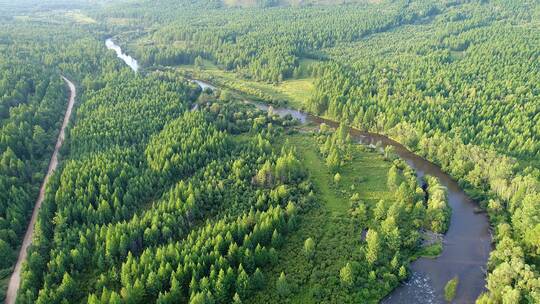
282,112
130,61
204,85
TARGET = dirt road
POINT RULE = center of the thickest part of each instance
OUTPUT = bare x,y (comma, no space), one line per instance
15,279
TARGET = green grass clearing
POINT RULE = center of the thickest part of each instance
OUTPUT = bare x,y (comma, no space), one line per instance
298,91
79,17
366,174
293,91
336,233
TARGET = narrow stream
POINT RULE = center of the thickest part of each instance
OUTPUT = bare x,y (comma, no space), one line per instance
467,243
130,61
203,85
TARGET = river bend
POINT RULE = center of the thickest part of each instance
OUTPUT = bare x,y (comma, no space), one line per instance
466,244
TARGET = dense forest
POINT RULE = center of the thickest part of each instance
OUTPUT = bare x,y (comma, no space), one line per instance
167,193
178,182
30,111
32,103
456,83
194,206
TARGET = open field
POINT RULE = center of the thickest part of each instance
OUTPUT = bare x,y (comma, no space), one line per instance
366,174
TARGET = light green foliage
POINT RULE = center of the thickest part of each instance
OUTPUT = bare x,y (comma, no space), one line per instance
336,148
450,289
337,178
199,62
373,246
393,181
402,272
155,205
309,248
236,299
438,211
346,275
286,169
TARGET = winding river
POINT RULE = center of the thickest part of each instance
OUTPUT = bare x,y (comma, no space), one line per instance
467,243
130,61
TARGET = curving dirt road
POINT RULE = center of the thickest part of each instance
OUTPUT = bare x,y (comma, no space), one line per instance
15,279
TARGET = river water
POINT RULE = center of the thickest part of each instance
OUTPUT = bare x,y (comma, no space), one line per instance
467,243
283,112
204,85
130,61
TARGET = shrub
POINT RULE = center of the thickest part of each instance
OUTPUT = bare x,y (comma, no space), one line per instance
450,289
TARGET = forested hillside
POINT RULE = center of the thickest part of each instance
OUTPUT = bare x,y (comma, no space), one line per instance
265,45
167,193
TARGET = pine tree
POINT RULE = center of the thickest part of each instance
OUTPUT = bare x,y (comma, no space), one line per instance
333,160
346,275
277,239
282,286
309,248
392,178
373,246
243,288
258,280
337,178
237,299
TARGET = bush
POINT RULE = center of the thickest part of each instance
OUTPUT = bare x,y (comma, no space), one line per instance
450,289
